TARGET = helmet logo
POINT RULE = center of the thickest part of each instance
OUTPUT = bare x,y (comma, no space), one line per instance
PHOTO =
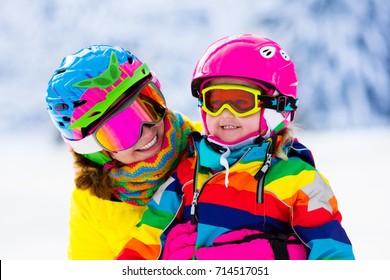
104,80
267,51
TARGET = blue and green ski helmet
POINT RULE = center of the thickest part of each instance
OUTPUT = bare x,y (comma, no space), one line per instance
87,83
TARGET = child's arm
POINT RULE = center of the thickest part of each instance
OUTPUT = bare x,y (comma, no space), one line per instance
317,221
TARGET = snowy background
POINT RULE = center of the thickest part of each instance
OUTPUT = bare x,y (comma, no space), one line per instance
341,51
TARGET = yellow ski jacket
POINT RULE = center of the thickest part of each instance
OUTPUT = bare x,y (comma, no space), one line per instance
99,228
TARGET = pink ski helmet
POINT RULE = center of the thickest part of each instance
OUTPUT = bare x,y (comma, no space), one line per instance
258,59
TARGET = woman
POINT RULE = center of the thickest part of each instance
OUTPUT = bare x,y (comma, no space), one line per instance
110,111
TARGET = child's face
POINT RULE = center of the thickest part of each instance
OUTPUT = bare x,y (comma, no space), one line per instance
227,126
230,128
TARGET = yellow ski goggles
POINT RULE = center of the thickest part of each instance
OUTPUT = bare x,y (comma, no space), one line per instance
240,100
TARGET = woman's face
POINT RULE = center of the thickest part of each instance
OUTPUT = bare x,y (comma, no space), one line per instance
146,147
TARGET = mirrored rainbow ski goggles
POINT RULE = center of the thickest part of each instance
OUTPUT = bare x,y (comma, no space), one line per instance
121,127
242,101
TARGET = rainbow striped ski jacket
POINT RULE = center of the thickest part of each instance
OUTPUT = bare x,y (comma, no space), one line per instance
264,193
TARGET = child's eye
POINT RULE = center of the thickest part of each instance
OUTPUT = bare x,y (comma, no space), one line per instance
216,104
242,103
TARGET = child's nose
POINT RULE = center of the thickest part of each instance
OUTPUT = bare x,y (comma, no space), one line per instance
226,113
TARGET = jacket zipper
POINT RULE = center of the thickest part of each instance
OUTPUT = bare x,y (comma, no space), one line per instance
194,219
194,203
260,176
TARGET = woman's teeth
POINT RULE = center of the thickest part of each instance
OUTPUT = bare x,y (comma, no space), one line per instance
150,144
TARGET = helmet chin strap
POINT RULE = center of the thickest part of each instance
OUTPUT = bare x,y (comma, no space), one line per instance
99,158
275,121
264,129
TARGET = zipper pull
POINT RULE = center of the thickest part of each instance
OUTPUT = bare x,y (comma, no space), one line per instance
267,163
194,219
264,168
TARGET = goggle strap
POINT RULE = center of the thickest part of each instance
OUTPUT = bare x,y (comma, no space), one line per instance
87,145
279,103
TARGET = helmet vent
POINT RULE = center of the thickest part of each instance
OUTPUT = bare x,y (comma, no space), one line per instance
268,51
61,107
94,114
130,59
59,71
66,119
79,103
284,55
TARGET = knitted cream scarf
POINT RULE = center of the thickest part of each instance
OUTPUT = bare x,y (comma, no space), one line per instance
136,183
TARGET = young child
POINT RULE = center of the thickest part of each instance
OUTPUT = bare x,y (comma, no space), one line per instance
109,109
251,191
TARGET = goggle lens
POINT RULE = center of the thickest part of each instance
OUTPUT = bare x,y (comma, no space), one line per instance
240,100
123,128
